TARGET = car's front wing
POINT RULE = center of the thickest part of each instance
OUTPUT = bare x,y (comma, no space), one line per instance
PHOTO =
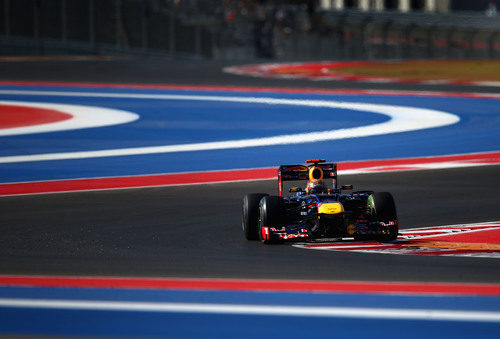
302,232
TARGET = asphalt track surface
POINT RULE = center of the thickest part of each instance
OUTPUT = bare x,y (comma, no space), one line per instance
194,231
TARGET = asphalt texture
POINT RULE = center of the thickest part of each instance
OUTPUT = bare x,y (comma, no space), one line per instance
195,231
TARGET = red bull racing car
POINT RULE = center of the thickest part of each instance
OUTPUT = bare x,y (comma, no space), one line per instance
320,210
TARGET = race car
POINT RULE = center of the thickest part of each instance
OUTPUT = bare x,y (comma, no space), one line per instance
318,211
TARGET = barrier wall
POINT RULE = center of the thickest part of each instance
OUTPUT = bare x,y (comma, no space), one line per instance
240,30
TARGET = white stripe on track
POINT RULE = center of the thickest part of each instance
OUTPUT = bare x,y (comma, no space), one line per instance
402,119
303,311
82,117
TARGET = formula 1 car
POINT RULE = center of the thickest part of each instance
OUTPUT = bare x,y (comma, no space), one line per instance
318,211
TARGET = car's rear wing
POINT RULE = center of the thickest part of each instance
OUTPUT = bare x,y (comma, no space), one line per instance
301,172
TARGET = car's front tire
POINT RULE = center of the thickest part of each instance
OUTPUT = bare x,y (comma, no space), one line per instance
271,213
250,215
384,210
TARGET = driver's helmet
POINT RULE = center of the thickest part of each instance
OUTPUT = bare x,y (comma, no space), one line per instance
316,187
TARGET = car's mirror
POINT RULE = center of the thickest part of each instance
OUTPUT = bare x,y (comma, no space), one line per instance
347,187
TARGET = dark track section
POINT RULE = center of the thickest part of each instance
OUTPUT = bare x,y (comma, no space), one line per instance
195,231
161,71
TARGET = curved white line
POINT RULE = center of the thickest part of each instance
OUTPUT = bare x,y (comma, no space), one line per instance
83,117
403,119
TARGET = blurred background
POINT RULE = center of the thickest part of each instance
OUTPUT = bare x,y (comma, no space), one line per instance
246,30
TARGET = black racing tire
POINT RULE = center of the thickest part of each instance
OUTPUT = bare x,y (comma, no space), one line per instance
384,209
271,213
250,215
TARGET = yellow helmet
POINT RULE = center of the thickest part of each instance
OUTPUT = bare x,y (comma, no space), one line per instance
315,173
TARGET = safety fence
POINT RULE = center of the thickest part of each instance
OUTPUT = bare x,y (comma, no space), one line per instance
104,27
240,30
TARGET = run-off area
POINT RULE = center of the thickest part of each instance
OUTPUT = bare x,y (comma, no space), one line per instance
206,130
226,314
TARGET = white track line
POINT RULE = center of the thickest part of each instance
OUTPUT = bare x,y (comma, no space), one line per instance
82,117
303,311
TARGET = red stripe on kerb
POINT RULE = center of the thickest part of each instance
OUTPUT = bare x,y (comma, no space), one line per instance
58,186
490,157
135,181
255,285
484,236
20,116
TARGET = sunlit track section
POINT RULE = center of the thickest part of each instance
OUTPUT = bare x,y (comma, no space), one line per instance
206,123
402,119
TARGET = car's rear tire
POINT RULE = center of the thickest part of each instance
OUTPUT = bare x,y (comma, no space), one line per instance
250,215
384,209
271,213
